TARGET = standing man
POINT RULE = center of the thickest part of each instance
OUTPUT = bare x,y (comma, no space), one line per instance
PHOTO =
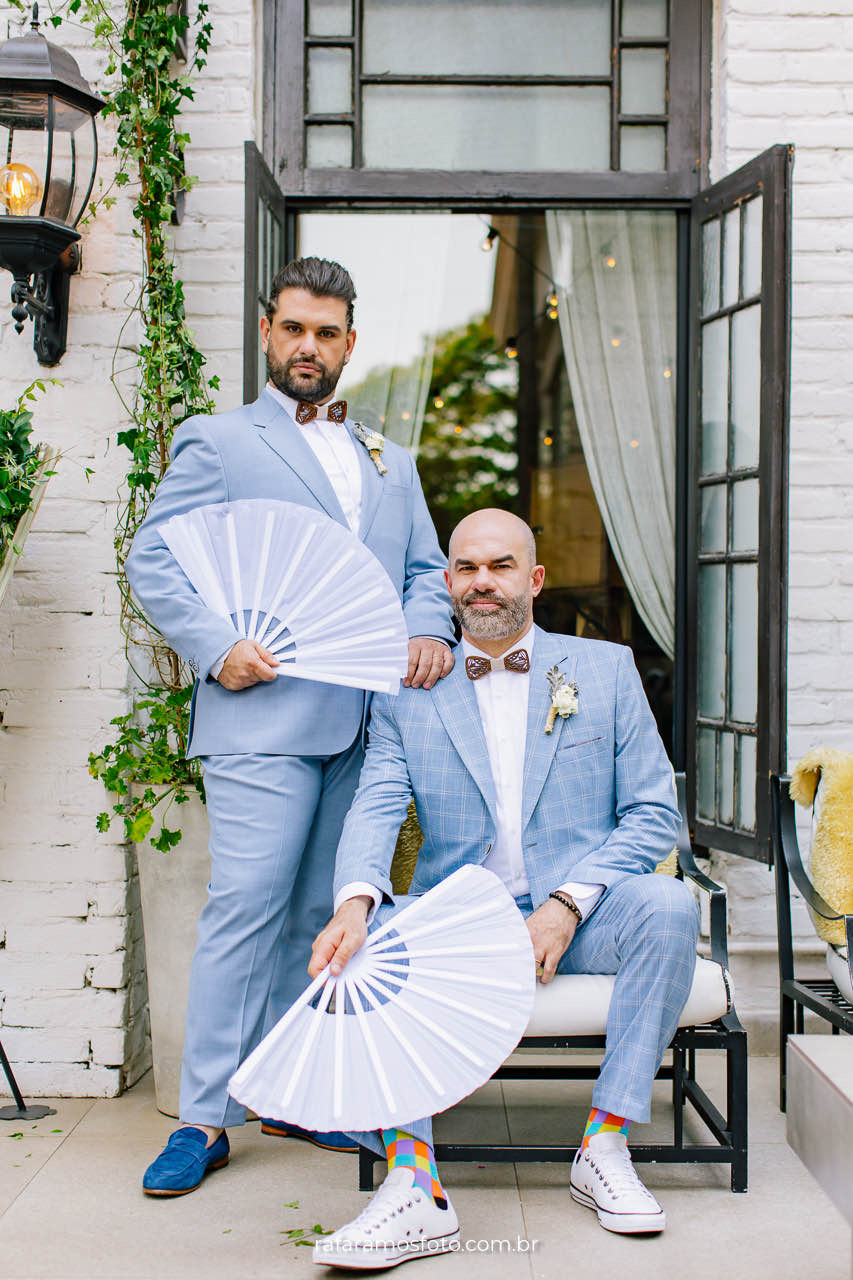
538,758
281,757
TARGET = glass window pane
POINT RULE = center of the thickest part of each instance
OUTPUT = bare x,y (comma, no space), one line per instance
726,780
743,642
711,266
329,82
644,17
746,784
329,146
715,371
752,247
643,82
485,127
746,386
706,771
745,515
642,148
731,256
486,37
713,532
711,641
330,18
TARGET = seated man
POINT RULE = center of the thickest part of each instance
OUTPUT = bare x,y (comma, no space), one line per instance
539,758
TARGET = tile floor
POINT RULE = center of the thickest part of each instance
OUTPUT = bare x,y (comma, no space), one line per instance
71,1206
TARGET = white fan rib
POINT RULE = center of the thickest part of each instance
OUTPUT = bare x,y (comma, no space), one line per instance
477,980
402,1039
313,1030
354,993
262,572
419,1016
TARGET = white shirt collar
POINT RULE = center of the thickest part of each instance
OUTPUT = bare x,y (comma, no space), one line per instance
526,642
291,405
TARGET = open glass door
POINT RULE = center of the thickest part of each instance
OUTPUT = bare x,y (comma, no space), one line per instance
736,558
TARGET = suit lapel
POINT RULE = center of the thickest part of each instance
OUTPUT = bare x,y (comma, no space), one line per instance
280,432
371,485
548,651
456,703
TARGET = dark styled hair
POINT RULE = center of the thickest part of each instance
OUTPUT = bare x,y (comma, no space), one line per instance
319,277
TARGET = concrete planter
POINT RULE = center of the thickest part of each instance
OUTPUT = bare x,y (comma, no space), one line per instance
173,887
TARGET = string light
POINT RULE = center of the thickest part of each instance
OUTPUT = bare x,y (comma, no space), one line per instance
667,373
635,444
615,342
457,431
405,416
489,242
438,402
553,313
511,349
610,261
548,440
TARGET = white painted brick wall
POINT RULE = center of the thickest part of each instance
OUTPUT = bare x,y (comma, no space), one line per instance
73,998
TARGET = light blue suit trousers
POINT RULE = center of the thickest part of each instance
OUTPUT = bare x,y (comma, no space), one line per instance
274,827
644,930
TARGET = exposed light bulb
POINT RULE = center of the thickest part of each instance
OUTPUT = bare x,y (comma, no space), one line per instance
553,313
552,299
667,373
19,188
610,261
635,444
615,342
489,242
405,416
438,402
457,431
548,440
511,349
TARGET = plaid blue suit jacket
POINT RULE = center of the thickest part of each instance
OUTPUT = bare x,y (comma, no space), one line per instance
598,795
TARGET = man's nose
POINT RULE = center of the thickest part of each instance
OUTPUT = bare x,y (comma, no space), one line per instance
308,346
483,581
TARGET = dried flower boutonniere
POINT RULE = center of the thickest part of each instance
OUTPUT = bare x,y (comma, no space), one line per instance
373,442
564,698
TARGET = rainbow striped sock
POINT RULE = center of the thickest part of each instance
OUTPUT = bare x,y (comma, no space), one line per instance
603,1122
402,1150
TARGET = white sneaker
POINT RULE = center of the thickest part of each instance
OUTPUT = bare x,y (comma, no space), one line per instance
603,1178
401,1222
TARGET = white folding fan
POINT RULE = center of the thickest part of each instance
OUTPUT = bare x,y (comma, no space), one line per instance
424,1013
300,584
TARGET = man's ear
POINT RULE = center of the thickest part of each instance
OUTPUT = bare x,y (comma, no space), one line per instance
351,337
265,332
537,578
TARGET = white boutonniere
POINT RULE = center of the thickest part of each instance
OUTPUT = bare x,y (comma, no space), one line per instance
564,698
373,442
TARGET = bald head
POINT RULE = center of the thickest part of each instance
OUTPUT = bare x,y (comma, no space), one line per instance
492,523
493,578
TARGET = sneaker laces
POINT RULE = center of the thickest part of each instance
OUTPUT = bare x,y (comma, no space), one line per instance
386,1204
622,1177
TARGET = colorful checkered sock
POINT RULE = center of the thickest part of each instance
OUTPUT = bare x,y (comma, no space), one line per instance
603,1122
402,1150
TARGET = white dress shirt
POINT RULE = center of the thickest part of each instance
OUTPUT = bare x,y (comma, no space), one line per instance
502,702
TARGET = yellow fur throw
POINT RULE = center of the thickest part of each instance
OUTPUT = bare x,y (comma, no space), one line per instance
831,863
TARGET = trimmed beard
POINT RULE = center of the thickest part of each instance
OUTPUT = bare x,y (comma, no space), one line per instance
279,375
498,625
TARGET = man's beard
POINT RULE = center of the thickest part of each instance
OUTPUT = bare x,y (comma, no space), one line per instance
298,388
494,625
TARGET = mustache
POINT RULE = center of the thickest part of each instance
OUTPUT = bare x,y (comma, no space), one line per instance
315,364
492,596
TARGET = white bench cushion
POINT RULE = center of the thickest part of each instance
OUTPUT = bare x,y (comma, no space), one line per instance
575,1004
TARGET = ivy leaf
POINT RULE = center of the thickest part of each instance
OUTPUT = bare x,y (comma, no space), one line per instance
139,827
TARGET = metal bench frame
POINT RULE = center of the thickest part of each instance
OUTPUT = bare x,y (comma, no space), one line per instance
820,995
726,1034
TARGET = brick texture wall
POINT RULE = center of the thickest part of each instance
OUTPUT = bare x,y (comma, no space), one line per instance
73,999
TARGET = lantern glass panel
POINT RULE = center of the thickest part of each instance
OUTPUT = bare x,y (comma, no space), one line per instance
73,162
23,152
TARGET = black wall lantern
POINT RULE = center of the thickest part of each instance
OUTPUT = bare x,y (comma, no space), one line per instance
48,157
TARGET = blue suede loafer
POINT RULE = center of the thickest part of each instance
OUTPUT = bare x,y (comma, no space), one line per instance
184,1161
328,1141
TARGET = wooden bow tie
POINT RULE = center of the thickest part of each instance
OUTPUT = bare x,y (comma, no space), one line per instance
306,412
476,667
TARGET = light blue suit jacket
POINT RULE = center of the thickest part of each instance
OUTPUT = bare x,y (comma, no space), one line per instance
598,797
257,451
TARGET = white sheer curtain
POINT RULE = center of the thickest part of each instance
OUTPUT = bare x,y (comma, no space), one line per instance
616,273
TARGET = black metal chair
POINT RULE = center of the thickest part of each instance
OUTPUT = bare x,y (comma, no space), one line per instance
820,995
724,1034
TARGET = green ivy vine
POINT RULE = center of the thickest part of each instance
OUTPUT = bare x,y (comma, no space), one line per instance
144,767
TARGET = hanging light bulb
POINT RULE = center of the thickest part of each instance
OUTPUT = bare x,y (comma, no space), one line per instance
610,261
438,402
548,440
667,373
405,416
553,313
511,349
489,242
457,431
552,299
19,188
